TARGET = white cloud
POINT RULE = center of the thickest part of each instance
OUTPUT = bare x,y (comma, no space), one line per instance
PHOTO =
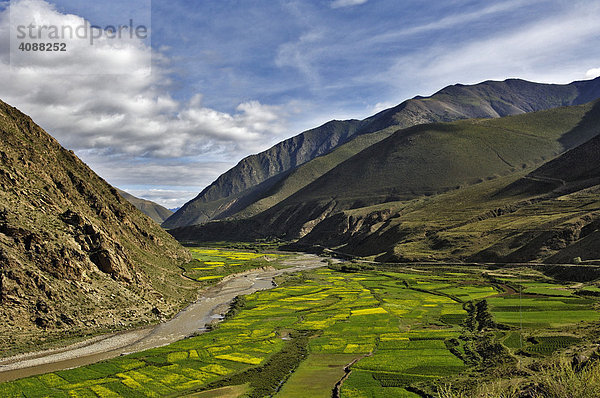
592,73
453,20
347,3
129,114
380,106
169,198
550,50
301,54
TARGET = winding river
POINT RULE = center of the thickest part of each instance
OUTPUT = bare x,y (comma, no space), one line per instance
212,304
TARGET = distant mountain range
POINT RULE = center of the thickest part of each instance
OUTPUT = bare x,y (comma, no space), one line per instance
74,255
483,189
261,181
153,210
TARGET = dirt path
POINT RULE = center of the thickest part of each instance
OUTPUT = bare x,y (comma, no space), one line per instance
337,389
212,304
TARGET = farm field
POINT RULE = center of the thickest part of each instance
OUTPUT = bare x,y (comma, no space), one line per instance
210,265
379,333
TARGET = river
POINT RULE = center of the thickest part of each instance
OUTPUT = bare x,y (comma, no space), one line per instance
212,304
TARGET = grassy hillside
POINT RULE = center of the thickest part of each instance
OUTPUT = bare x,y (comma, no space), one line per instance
449,191
260,181
307,173
153,210
551,214
76,258
472,224
434,158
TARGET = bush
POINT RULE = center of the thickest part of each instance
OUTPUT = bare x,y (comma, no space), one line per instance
562,380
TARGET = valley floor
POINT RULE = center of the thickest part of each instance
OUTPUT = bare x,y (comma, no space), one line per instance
364,330
210,306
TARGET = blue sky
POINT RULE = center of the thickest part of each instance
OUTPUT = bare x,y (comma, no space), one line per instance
231,78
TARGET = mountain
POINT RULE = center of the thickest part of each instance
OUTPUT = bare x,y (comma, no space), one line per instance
429,159
263,180
263,168
577,169
153,210
76,258
518,188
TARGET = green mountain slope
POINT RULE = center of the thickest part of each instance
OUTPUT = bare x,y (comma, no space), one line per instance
577,169
153,210
262,180
550,214
446,192
298,178
434,158
74,255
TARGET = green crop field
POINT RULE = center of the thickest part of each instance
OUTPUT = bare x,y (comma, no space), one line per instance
378,333
212,264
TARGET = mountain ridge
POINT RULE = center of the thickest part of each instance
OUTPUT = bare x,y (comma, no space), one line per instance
489,99
153,210
435,225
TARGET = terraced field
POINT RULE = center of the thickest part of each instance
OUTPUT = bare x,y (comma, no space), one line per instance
373,333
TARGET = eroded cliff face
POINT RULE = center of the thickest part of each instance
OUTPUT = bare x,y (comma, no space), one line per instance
74,254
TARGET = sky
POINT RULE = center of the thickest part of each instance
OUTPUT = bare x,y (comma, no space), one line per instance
162,115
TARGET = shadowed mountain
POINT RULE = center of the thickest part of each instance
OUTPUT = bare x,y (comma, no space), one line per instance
73,253
153,210
263,180
430,159
448,192
577,169
264,168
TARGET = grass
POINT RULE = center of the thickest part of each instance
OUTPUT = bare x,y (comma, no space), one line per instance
547,289
299,336
546,345
316,376
223,392
561,380
542,312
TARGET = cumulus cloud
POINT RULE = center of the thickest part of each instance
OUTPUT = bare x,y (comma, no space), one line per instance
347,3
111,100
169,198
592,73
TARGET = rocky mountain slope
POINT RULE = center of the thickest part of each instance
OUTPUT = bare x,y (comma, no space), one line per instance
76,258
475,190
262,169
153,210
260,181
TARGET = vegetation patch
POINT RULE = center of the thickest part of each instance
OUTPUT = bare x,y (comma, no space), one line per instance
372,333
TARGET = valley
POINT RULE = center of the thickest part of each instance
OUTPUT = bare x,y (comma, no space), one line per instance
453,245
371,330
210,306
